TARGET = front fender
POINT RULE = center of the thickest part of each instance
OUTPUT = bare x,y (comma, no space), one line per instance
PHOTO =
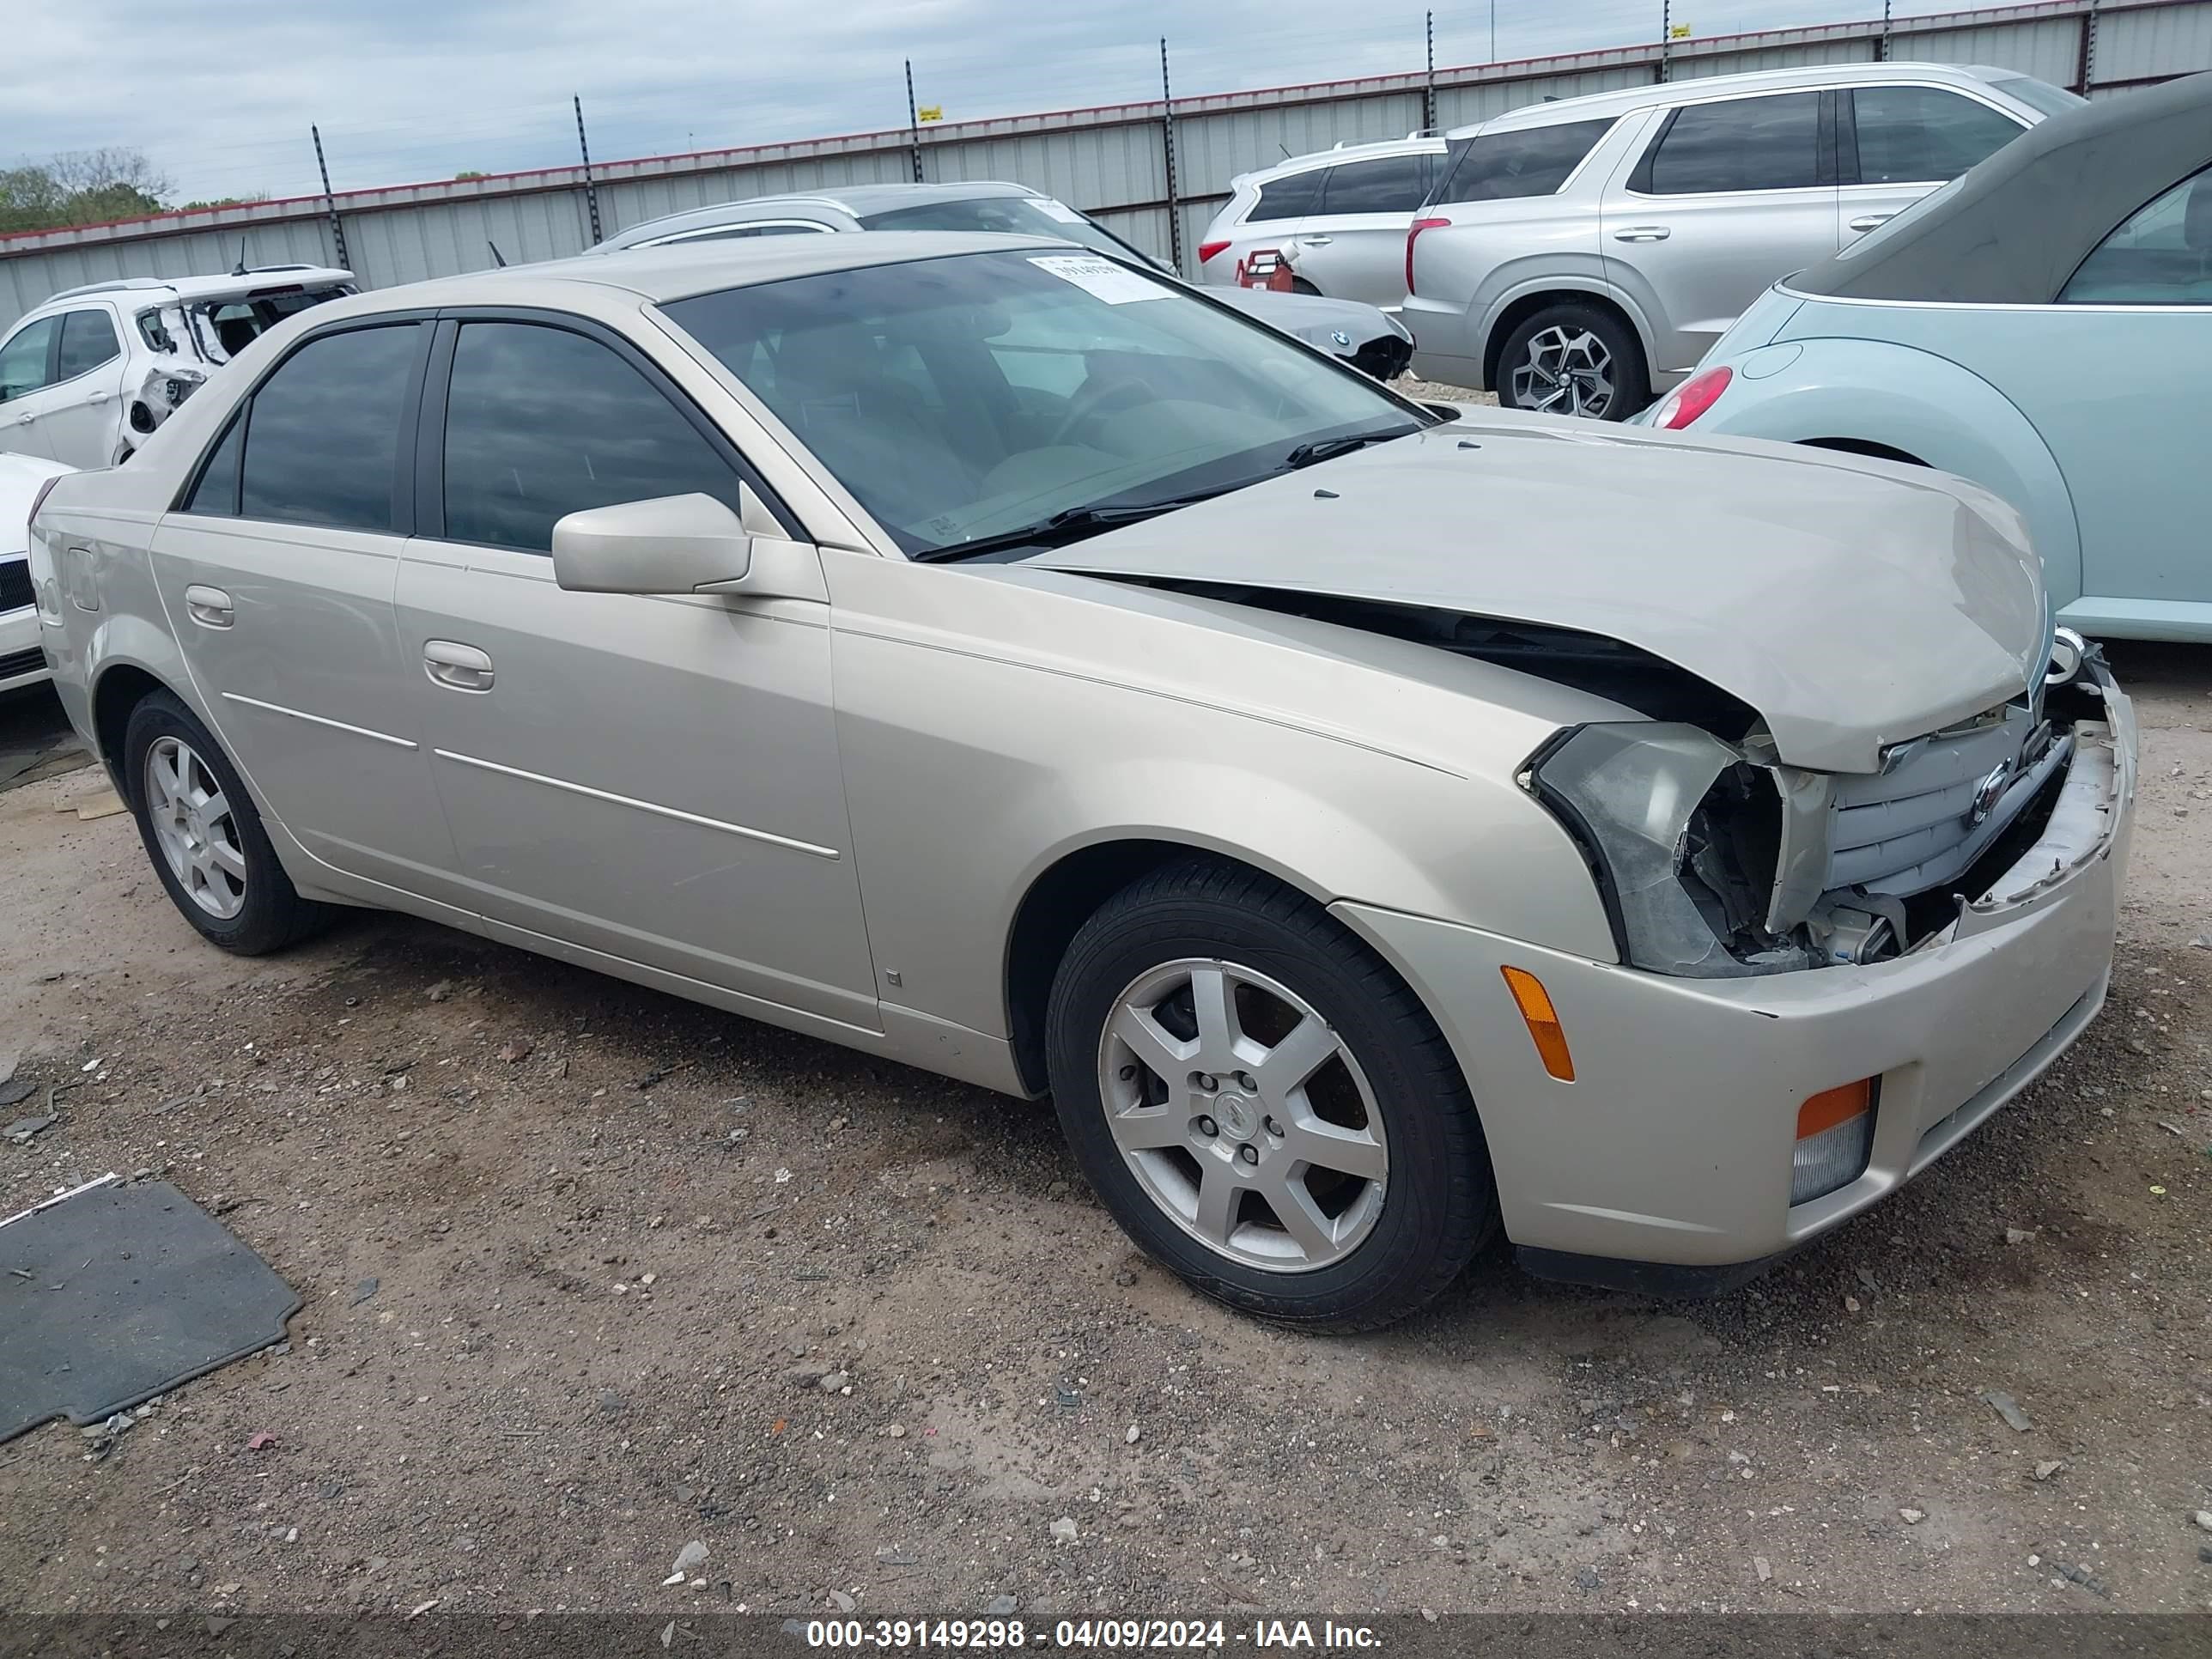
1895,397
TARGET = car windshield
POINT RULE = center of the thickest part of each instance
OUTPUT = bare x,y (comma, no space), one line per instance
1014,216
974,399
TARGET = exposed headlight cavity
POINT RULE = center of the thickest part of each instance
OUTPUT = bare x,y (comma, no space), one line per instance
1684,832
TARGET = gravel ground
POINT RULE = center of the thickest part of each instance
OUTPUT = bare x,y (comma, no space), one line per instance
591,1274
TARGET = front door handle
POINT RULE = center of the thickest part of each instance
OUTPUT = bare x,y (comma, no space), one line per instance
211,607
1316,241
458,667
25,420
1868,221
97,398
1641,233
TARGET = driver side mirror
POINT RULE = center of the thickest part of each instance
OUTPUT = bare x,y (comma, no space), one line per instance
670,545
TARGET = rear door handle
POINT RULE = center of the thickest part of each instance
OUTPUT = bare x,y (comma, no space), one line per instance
1868,221
211,607
1316,241
460,667
1641,233
97,398
25,420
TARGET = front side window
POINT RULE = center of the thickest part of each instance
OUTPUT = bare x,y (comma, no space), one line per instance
1394,184
87,341
971,398
1292,197
1737,144
28,357
1500,167
1925,135
322,435
541,423
2159,255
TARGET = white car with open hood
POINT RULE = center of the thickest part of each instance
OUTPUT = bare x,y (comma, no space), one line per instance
1377,825
86,377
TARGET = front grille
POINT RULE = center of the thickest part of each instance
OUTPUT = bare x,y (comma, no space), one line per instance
21,662
15,584
1938,801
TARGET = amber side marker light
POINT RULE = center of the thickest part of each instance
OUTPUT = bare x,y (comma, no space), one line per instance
1542,1021
1835,1138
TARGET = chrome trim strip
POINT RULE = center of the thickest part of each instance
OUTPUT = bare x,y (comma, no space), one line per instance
642,805
321,720
2092,307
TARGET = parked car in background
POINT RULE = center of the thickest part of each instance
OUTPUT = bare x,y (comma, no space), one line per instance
1578,256
1359,334
1373,827
1336,220
87,376
22,659
2043,327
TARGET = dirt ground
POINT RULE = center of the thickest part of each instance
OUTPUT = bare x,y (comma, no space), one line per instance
591,1274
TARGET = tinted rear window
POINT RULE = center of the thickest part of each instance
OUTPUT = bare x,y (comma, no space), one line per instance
1391,184
1292,197
87,341
1497,166
322,437
1916,134
1740,143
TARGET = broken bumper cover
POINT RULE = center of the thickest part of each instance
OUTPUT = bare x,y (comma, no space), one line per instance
1671,1148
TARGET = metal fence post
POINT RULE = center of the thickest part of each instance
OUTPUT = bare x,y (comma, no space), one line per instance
2088,71
1665,39
591,189
1168,149
913,123
1881,47
1429,94
329,202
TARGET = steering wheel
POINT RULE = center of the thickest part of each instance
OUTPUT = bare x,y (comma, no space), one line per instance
1089,403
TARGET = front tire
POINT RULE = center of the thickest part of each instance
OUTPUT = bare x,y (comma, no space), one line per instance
203,836
1574,359
1267,1110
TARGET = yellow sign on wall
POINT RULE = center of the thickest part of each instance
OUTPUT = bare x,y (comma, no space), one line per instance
931,112
1679,32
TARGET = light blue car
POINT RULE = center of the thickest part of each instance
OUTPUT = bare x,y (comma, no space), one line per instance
2042,327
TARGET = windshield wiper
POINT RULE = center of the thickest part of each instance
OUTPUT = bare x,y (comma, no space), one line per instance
1061,528
1327,449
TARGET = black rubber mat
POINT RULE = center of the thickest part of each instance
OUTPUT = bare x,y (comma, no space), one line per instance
114,1295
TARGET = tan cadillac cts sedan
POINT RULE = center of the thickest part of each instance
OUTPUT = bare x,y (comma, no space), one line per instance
1376,825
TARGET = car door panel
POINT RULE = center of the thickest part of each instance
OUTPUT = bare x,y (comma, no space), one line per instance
1350,252
81,414
1709,215
27,394
651,777
287,627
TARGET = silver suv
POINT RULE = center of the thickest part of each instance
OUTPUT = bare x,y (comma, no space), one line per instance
1332,224
1578,257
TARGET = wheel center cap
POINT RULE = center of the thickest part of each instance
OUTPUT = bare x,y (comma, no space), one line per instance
1237,1116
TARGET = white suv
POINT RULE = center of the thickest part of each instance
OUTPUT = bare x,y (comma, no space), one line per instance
85,376
1578,257
1332,224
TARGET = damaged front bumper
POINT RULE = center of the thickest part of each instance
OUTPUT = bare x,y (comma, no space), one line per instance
1671,1148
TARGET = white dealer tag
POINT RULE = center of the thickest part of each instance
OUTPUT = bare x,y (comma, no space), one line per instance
1101,278
1059,211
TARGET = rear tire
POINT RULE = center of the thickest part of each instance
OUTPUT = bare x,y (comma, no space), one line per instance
1574,359
1317,1087
203,836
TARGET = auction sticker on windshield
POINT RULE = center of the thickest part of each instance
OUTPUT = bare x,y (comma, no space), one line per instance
1102,278
1059,211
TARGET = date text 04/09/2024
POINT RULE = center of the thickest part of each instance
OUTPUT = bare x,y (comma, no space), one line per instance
1112,1635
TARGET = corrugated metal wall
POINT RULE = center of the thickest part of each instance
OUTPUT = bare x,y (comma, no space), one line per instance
1112,162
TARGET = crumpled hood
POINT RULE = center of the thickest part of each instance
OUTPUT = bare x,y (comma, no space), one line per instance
1853,603
1314,317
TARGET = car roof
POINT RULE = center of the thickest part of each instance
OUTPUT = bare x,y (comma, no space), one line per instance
2012,230
661,274
1415,143
1628,99
260,277
857,202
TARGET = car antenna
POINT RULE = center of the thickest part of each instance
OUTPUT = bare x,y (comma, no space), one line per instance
1285,147
497,259
239,270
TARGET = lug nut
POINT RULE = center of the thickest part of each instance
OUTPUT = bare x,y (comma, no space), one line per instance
1204,1081
1271,1128
1249,1153
1205,1126
1248,1082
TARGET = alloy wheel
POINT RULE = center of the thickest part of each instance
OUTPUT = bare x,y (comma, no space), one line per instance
194,828
1244,1115
1565,371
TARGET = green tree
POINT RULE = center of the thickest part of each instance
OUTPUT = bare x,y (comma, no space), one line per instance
82,187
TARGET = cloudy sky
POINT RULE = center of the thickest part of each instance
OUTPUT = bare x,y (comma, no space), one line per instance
220,98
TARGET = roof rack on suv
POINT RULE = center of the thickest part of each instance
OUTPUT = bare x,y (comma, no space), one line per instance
113,282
